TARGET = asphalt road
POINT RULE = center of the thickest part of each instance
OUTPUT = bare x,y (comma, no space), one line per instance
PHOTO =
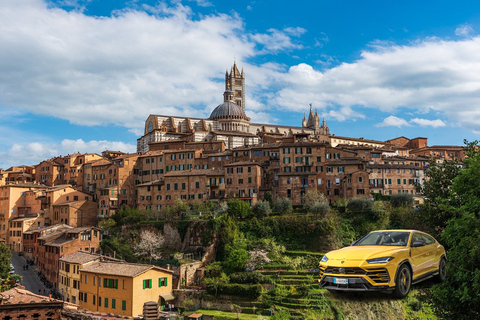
31,281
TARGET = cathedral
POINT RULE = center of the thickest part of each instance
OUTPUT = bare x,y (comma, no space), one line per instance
228,123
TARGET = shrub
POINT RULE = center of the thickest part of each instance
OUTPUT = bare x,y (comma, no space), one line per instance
360,205
238,208
261,209
247,277
242,290
401,200
283,206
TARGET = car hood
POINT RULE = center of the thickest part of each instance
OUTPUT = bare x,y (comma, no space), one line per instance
359,253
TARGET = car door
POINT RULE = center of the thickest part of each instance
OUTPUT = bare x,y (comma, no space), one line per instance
419,256
430,252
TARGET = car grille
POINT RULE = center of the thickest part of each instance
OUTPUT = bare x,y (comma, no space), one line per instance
341,270
378,275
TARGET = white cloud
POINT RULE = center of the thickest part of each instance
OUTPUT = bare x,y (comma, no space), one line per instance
426,76
393,121
437,123
277,40
34,152
167,60
464,30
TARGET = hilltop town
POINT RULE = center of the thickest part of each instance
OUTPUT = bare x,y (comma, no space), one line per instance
56,213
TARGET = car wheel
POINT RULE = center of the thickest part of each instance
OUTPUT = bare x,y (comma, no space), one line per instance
402,282
442,270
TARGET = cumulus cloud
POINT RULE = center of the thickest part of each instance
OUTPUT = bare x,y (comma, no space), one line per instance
119,69
425,76
437,123
34,152
393,121
164,59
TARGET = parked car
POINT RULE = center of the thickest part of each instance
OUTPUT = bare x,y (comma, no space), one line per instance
384,260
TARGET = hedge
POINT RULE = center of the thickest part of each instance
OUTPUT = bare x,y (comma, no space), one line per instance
250,291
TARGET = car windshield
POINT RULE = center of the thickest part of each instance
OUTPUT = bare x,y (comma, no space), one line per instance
386,238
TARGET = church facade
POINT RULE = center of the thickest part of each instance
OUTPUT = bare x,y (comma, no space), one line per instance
227,124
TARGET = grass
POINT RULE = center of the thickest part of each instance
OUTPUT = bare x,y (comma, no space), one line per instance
231,315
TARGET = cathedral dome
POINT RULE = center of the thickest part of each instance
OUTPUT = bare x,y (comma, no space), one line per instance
228,109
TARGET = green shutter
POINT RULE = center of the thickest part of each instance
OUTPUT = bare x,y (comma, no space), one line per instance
144,283
106,303
113,303
116,284
124,305
166,282
159,282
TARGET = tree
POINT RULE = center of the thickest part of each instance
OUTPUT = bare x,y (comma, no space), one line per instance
437,207
268,198
401,200
457,297
5,258
258,258
149,245
283,206
238,209
261,209
360,205
316,203
236,255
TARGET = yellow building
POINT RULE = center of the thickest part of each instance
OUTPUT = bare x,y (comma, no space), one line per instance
69,273
123,288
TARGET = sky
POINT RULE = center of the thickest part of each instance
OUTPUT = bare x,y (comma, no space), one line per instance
83,75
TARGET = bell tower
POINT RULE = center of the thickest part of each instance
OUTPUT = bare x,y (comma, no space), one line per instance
235,81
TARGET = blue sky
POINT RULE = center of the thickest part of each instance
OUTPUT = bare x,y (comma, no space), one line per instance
82,76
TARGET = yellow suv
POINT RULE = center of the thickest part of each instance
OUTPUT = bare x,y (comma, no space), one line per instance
384,260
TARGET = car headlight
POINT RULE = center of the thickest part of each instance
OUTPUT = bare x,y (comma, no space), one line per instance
380,260
324,259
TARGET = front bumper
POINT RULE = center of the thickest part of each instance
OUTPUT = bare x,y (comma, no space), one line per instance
354,284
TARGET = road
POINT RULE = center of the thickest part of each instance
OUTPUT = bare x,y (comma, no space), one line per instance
31,281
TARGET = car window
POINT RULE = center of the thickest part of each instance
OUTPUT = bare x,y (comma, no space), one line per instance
428,239
391,238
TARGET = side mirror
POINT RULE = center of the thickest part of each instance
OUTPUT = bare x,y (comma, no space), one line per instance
418,243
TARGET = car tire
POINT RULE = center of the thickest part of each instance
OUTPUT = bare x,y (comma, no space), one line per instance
403,282
442,270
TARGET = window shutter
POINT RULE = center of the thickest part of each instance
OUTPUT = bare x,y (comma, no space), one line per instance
166,282
144,283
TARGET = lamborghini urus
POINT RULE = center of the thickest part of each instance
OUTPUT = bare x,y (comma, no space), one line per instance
384,260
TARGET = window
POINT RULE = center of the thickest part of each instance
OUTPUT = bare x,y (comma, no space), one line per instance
94,299
239,170
147,284
113,303
110,283
249,179
175,186
124,305
319,159
197,184
162,282
240,181
106,303
360,179
286,160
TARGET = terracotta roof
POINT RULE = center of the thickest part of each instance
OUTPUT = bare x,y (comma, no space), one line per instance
242,163
121,268
21,296
58,242
80,257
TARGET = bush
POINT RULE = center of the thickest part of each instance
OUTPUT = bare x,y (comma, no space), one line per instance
401,200
261,209
283,206
247,277
238,209
360,205
242,290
